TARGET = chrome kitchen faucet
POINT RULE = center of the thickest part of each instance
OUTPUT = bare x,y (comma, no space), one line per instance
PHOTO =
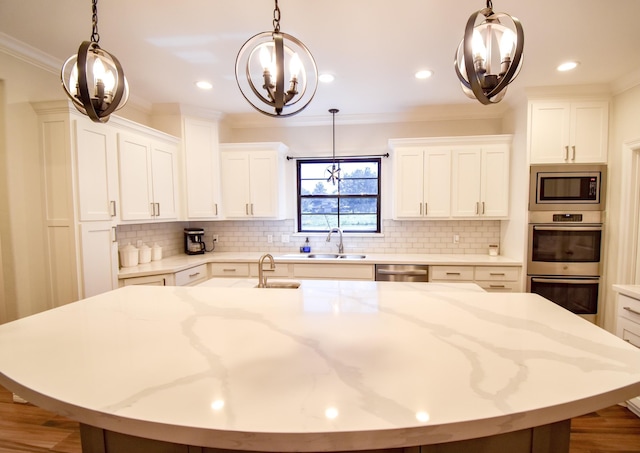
340,245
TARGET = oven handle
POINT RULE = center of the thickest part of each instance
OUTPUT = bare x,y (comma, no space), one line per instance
567,228
565,280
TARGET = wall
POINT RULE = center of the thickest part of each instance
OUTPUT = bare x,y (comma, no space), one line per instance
625,128
250,236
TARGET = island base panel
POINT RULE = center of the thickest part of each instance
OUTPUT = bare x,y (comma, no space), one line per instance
552,438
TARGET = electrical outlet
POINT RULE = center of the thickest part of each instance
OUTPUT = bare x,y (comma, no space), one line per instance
285,238
456,238
215,238
270,238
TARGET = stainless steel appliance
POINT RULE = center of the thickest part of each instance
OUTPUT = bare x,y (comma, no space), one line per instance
402,273
194,241
564,258
567,187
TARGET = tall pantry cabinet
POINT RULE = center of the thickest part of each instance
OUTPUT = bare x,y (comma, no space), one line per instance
82,197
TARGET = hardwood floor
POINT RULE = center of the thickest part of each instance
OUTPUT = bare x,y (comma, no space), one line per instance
27,428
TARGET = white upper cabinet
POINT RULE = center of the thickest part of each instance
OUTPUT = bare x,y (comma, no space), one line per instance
202,168
481,182
451,177
253,180
96,171
148,178
422,182
568,132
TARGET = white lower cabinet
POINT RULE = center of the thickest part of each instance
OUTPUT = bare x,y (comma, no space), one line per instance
150,280
192,276
628,328
332,271
238,270
489,278
99,257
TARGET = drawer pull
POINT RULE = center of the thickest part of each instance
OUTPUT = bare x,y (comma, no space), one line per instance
229,270
497,286
194,275
496,274
632,343
453,273
631,310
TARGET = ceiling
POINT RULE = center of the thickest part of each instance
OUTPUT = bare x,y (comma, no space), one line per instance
373,47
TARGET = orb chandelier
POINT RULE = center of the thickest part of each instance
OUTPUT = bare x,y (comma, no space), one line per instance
334,172
93,78
489,56
265,61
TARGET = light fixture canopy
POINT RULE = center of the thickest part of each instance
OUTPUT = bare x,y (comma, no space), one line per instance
93,78
265,61
489,56
334,172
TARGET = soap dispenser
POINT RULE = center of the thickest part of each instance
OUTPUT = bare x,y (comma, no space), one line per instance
306,247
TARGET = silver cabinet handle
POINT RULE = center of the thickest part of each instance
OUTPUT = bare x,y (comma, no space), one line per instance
158,214
497,274
251,208
631,310
497,286
483,207
215,206
194,275
229,270
573,149
477,208
246,208
114,234
566,153
453,273
112,206
420,208
425,208
152,206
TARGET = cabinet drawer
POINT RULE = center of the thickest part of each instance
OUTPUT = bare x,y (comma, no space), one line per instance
499,286
333,271
629,331
451,273
490,273
629,308
150,280
229,269
281,270
192,275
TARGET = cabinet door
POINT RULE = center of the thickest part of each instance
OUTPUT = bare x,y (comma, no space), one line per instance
589,132
202,165
235,183
263,184
437,182
465,194
549,132
494,189
97,171
134,163
99,257
408,184
164,181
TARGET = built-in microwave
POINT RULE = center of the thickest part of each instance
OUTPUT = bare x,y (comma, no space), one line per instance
566,187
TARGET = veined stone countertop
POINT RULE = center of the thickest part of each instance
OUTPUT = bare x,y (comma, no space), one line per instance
628,290
330,366
177,263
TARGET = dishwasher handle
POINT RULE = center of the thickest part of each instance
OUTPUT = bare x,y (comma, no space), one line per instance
415,273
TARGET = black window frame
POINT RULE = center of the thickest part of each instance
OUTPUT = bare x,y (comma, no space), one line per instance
338,161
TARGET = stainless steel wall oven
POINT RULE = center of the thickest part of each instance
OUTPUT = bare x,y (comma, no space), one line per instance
564,258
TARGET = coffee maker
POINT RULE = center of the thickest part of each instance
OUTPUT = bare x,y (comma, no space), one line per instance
194,241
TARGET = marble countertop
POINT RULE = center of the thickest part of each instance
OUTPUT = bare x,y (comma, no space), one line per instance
177,263
628,290
330,366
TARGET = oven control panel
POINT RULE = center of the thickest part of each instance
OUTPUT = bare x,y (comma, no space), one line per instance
567,217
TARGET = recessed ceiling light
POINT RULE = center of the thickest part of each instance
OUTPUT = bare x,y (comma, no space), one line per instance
424,74
326,78
567,66
204,85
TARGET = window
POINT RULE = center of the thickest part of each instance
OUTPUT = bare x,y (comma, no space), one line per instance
352,203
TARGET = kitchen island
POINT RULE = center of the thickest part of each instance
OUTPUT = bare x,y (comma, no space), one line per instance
329,366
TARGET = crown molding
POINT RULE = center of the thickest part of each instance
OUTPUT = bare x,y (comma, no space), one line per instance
626,82
29,54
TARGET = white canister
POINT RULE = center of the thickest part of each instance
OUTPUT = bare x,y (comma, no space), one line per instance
144,253
128,256
156,252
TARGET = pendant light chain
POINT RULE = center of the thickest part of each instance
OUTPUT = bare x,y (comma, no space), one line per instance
276,18
95,36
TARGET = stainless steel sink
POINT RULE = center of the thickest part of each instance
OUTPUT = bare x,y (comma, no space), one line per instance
332,256
282,285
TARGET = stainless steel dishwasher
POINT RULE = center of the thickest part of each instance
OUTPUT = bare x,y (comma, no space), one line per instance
402,273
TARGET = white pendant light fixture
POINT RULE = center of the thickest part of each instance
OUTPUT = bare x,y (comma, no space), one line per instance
334,172
265,61
489,56
93,78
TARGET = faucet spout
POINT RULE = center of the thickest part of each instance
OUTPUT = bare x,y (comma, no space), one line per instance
340,244
262,278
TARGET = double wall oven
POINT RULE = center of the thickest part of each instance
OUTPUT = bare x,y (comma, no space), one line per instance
566,210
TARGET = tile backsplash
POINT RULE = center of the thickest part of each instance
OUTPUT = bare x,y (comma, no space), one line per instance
250,236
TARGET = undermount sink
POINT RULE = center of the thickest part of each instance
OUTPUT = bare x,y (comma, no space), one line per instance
330,256
281,285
